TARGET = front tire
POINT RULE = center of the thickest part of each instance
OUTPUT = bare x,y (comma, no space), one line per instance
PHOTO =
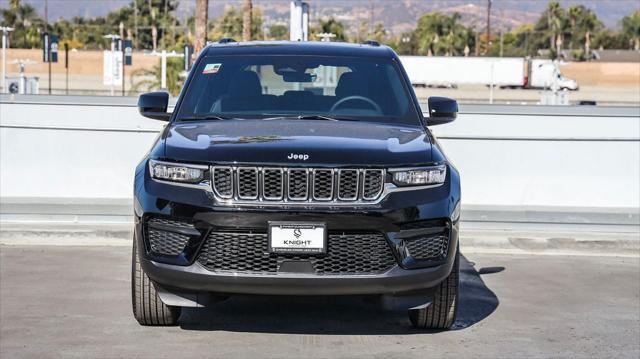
148,309
441,314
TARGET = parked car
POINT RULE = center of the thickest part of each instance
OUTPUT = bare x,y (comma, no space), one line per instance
296,168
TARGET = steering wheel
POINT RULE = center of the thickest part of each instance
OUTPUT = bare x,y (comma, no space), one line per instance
354,98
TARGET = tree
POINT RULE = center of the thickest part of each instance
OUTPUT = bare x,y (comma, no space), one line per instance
230,24
25,22
405,44
202,10
583,25
631,29
379,33
609,39
362,32
151,79
331,26
554,15
438,34
514,43
246,20
278,32
574,13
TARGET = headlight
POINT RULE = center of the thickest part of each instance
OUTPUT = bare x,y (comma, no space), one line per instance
420,176
177,172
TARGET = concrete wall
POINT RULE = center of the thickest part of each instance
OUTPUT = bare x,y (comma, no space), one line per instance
513,159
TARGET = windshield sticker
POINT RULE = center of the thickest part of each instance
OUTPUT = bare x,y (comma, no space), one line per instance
211,69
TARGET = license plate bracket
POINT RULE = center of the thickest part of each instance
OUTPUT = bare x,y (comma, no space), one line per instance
297,237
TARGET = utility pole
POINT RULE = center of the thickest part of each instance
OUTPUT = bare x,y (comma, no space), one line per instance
46,29
246,20
501,42
5,45
488,26
66,67
370,19
477,44
135,22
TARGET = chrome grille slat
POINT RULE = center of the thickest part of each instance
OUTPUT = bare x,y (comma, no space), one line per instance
245,184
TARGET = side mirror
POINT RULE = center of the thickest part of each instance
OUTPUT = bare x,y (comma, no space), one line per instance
441,110
154,105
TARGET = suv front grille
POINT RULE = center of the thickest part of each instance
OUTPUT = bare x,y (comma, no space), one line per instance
347,253
315,185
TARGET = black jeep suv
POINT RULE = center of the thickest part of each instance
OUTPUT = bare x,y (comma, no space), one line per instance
296,168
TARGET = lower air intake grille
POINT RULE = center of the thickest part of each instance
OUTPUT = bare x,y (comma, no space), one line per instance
163,237
427,240
428,248
347,253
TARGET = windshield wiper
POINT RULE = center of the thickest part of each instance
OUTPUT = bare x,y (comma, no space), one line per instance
206,117
311,117
316,117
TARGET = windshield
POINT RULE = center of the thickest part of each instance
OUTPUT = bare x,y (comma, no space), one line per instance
340,88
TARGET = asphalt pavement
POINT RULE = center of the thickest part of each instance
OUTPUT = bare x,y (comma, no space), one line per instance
74,302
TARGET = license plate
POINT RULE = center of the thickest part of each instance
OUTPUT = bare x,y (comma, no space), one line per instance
297,237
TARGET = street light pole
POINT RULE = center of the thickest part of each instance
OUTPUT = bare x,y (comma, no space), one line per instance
163,69
113,38
46,27
5,39
488,27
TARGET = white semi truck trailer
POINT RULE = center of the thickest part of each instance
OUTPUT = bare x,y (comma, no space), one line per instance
505,72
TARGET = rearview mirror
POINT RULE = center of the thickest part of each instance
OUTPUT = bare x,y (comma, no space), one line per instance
298,77
441,110
154,105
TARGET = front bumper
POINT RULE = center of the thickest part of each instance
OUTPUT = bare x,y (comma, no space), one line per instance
195,278
184,274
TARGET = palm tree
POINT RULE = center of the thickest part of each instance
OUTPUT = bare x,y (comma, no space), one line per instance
246,20
583,22
574,13
438,34
555,15
202,9
631,29
23,18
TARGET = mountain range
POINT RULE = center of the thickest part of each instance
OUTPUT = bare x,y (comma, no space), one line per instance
397,15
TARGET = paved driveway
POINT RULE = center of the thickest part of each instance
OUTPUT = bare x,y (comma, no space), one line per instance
75,302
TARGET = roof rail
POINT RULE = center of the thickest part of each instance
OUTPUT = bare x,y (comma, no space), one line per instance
226,40
371,43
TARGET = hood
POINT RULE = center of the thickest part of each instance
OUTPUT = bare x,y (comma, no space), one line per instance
291,142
